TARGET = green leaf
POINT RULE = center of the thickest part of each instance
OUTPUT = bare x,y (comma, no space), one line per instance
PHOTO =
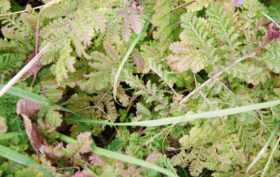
121,157
10,135
159,122
131,47
187,117
21,159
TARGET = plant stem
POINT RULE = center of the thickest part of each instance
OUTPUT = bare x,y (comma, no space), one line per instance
22,71
215,76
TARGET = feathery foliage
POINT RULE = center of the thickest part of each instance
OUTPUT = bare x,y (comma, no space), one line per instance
212,54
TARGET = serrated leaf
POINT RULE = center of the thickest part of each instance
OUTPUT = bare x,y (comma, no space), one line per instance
53,152
21,159
64,64
53,117
126,29
135,22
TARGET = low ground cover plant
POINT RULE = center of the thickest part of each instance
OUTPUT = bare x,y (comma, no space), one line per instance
140,88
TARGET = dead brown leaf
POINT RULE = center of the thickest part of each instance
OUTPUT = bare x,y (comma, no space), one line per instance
27,107
33,133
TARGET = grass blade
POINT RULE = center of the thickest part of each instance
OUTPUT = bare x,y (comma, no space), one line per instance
185,118
21,159
22,71
10,135
262,151
122,157
270,157
34,97
158,122
28,95
131,47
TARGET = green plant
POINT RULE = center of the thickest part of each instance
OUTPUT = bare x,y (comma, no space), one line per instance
174,87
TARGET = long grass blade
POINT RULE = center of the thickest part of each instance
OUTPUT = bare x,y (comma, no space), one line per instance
10,135
21,159
158,122
22,71
185,118
34,97
122,157
270,157
131,47
262,151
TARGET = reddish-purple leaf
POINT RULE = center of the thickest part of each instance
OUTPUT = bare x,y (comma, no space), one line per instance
84,173
238,3
273,33
138,61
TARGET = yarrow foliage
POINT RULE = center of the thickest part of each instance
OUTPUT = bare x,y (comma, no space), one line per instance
217,54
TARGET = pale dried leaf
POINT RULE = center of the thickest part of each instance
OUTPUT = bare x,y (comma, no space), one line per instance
27,107
53,152
182,63
111,50
126,29
9,32
95,160
100,20
28,19
136,23
178,47
84,142
84,173
123,97
138,61
238,3
3,126
153,157
5,5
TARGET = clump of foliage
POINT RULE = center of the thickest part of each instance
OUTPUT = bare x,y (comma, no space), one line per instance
190,57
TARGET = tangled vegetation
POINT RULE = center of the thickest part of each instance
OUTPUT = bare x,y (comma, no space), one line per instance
140,88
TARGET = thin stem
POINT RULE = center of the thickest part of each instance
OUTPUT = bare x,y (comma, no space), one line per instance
37,35
125,58
182,5
270,157
22,71
22,11
215,76
262,151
